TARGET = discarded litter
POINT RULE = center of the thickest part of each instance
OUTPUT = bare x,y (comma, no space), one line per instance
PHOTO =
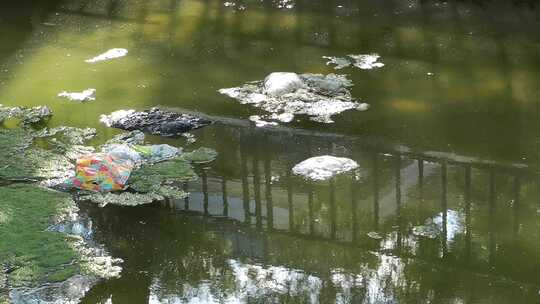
284,95
154,121
102,172
86,95
111,169
324,167
362,61
108,55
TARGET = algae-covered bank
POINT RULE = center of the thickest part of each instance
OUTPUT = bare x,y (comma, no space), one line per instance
30,255
38,262
47,253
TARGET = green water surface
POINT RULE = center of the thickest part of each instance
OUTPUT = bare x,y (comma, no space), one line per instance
452,138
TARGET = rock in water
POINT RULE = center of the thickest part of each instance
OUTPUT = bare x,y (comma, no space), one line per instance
279,83
324,167
154,121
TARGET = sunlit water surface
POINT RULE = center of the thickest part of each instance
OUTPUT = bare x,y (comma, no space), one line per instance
444,208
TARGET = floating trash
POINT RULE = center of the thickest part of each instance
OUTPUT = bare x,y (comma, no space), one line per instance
154,121
110,54
362,61
324,167
86,95
284,95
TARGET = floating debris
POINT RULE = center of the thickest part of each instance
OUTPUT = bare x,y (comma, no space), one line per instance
340,62
110,54
190,138
362,61
285,95
367,61
154,121
86,95
324,167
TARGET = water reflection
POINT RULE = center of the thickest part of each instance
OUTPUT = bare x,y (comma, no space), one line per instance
444,206
448,229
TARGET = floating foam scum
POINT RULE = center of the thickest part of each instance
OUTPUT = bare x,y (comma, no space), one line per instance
108,55
367,61
117,116
362,61
86,95
340,62
324,167
281,95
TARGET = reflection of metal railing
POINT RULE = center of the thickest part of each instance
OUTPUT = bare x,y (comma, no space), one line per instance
257,192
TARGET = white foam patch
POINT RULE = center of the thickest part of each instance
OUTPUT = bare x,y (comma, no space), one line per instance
110,54
86,95
284,95
339,62
324,167
117,116
259,122
362,61
367,61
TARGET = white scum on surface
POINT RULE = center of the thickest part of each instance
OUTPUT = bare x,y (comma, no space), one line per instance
86,95
284,95
108,55
361,61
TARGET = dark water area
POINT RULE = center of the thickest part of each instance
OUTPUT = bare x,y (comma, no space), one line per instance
444,207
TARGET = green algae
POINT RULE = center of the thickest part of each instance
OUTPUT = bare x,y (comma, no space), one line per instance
123,198
151,177
200,155
27,116
19,159
31,254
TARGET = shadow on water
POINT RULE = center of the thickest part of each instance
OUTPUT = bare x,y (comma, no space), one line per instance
19,20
